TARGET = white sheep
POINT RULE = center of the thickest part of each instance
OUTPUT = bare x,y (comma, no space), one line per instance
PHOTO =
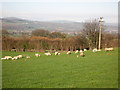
95,50
69,52
37,55
76,51
48,54
8,57
108,49
85,49
19,56
98,50
81,51
3,58
82,54
58,53
15,58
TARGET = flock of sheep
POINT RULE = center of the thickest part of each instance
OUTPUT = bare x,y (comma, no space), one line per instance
10,57
106,49
56,53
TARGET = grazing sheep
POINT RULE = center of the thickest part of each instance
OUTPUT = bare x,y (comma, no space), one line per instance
108,49
95,50
82,54
8,57
19,56
69,52
37,55
58,53
48,54
81,51
76,51
98,50
85,49
3,58
15,58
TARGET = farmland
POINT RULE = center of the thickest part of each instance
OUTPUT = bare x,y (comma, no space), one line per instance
95,70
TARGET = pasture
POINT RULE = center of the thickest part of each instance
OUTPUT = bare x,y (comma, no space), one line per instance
95,70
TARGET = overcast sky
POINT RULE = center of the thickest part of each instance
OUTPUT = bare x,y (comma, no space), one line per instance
73,10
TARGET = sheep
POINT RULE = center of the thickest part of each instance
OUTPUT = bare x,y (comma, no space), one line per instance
3,58
48,54
57,53
8,57
69,52
37,55
19,56
15,58
81,51
95,50
108,49
76,51
98,50
85,49
82,54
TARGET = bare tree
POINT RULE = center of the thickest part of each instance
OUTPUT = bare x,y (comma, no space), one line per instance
91,32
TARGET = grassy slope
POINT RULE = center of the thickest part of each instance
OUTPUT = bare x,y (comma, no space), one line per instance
95,70
0,70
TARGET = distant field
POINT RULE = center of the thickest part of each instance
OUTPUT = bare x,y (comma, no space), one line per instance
95,70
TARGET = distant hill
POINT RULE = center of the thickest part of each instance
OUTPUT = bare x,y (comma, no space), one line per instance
13,23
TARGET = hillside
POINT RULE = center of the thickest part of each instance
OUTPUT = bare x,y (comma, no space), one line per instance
13,23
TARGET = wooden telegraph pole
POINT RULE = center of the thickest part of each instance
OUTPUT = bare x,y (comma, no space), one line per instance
100,32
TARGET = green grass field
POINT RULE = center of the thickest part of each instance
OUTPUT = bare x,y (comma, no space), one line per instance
95,70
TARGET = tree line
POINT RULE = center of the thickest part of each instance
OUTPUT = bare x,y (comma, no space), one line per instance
41,40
